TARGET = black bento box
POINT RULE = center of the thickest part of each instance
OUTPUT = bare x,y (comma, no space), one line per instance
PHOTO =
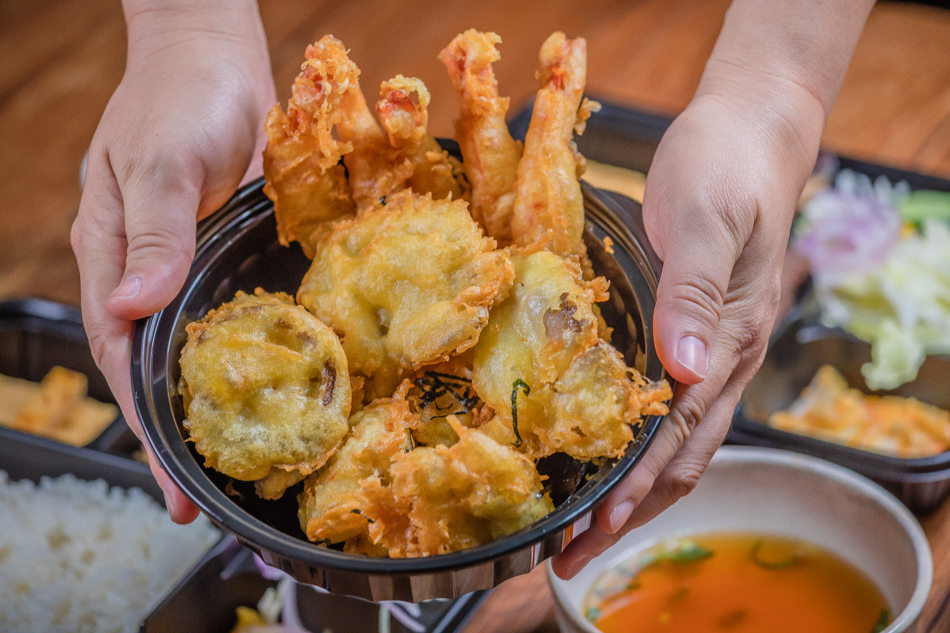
795,354
205,600
37,335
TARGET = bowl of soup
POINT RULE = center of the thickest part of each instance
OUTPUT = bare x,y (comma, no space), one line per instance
769,540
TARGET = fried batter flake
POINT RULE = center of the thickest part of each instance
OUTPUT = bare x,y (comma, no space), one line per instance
445,499
331,504
267,389
405,284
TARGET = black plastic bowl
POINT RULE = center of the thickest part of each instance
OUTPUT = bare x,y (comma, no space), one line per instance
237,249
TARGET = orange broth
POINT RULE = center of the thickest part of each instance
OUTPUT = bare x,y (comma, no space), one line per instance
736,583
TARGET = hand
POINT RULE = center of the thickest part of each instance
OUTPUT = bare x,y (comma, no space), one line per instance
718,206
173,145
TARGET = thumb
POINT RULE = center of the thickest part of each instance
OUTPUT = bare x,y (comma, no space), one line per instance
160,218
698,264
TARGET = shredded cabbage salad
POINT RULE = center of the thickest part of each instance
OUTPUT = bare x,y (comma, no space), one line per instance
880,263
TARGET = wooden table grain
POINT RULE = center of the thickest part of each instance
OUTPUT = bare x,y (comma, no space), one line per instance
62,59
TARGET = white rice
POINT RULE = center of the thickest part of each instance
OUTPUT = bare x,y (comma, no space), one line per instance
77,556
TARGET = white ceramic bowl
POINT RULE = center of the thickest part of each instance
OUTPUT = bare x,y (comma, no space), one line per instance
779,492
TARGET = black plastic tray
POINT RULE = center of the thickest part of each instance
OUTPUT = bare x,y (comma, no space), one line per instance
206,600
25,456
35,336
792,359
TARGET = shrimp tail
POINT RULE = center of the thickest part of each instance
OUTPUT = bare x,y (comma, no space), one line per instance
548,196
405,121
489,154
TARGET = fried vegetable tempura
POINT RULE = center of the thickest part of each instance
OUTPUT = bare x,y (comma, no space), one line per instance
541,365
548,192
332,502
406,122
489,154
266,389
304,177
446,499
405,284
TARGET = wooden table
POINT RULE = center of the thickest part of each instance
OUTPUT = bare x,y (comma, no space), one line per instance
62,60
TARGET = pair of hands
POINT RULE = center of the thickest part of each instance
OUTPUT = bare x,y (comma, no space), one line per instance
185,128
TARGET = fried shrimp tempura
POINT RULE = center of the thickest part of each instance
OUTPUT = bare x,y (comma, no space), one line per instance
548,191
541,359
489,154
304,177
406,122
267,390
405,284
445,499
376,169
331,502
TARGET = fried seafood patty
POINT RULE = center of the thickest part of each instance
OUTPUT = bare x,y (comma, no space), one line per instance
441,499
266,390
331,502
407,283
554,384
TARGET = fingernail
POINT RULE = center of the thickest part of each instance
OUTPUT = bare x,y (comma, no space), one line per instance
576,566
169,504
619,515
129,287
691,354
